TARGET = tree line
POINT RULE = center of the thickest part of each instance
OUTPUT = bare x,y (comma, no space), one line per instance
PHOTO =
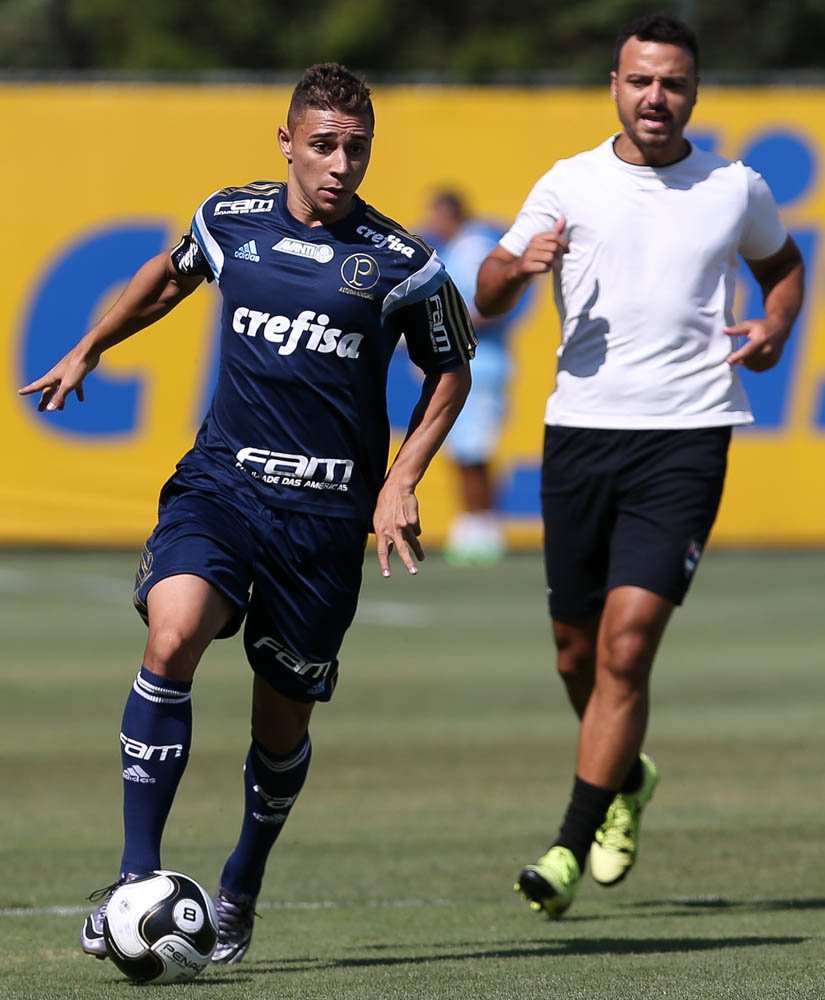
459,41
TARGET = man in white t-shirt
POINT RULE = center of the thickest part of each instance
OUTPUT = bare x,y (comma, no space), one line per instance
642,235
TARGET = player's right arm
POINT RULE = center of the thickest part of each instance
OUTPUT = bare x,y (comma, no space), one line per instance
154,290
503,277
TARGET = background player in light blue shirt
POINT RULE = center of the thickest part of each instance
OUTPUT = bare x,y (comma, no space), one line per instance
463,242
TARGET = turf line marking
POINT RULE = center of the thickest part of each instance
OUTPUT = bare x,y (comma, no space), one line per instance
106,589
393,614
321,904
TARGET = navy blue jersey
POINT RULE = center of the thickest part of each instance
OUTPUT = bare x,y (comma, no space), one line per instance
310,319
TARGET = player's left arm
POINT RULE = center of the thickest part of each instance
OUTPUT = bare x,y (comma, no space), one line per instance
396,519
441,341
781,278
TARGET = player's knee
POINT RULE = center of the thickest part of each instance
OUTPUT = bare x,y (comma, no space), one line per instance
171,652
575,653
626,654
575,666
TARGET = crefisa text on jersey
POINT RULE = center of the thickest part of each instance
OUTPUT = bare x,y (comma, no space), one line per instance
322,338
389,240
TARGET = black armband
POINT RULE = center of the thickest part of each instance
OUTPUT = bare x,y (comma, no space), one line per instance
188,258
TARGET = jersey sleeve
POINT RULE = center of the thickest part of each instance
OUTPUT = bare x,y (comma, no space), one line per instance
764,233
188,258
438,330
198,251
538,214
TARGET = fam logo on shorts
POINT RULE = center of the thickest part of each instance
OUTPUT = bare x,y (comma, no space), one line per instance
360,273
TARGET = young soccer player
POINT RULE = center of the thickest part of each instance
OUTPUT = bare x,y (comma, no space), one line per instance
266,517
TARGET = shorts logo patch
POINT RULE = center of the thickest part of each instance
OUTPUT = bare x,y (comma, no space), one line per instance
692,557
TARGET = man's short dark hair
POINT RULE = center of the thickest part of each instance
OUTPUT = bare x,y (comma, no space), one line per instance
330,87
661,27
452,201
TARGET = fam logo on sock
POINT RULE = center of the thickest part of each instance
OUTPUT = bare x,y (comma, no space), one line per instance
146,751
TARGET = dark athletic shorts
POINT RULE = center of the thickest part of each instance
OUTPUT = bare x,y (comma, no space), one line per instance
294,576
626,508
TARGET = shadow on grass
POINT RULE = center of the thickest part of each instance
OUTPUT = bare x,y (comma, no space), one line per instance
539,949
682,906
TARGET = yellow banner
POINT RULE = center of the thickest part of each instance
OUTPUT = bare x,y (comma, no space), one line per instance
97,178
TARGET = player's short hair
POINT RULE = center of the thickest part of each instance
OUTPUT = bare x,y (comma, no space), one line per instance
330,87
659,27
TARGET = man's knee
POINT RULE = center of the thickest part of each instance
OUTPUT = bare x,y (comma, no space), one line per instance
631,630
575,650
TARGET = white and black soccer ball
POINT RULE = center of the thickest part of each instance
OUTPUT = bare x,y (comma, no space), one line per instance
161,928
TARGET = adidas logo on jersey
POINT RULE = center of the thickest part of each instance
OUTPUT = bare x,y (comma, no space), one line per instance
136,773
249,251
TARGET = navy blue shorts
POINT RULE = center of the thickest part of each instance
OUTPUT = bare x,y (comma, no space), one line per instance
295,577
627,508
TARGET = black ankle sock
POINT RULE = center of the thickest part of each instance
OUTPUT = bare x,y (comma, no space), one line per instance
635,776
585,814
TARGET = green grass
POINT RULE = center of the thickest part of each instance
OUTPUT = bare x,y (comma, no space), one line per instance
440,768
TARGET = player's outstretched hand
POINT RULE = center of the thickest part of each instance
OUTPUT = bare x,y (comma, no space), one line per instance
59,382
397,526
762,348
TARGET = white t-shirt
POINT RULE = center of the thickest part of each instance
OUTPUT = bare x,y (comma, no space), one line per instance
648,284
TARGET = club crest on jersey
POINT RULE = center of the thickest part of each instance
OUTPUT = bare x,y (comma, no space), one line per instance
320,252
360,273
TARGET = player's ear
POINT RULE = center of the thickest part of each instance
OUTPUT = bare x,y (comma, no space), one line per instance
614,84
285,142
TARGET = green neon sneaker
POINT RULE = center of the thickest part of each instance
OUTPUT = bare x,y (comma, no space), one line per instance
616,846
550,884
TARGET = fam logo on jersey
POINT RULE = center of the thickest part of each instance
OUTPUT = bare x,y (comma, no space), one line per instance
278,468
360,272
320,252
249,251
439,337
244,206
386,240
317,336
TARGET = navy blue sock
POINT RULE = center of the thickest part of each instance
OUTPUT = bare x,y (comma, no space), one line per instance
155,736
271,786
585,814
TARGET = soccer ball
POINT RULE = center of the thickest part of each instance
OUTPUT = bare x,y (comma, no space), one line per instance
161,928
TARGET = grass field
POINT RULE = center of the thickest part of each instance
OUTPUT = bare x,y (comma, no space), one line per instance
440,768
